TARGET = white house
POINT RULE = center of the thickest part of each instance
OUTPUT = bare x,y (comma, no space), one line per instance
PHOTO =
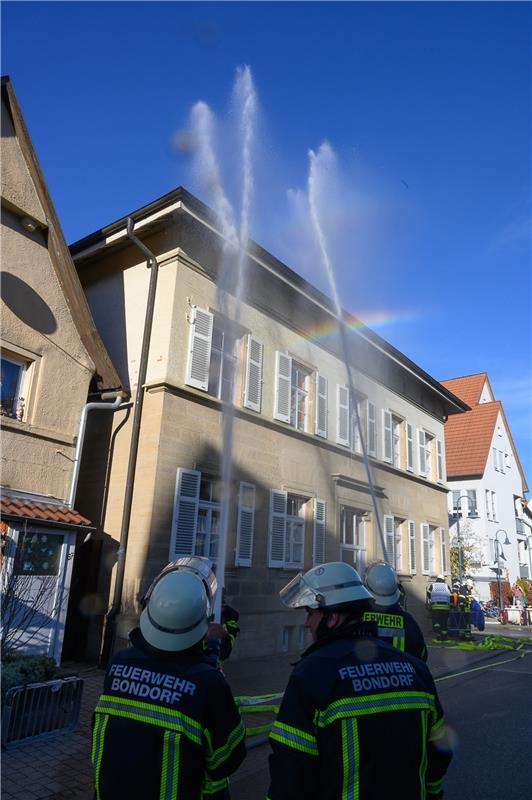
486,481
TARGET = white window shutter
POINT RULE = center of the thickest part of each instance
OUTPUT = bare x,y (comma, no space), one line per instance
245,525
342,427
387,438
409,447
253,381
412,546
398,547
372,429
199,352
431,549
321,405
185,519
425,549
283,386
318,550
443,551
422,452
389,540
439,459
277,528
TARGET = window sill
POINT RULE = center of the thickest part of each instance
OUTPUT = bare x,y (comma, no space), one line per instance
20,426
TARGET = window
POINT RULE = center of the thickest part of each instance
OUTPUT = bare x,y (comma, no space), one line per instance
412,546
358,421
501,461
292,394
196,519
396,440
38,553
493,507
288,513
472,510
427,549
12,386
425,450
393,541
213,358
495,459
443,552
348,427
488,503
457,505
439,460
353,548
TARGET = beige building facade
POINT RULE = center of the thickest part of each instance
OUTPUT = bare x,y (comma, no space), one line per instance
51,353
299,490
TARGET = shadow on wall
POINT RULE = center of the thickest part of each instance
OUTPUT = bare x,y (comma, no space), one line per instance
26,304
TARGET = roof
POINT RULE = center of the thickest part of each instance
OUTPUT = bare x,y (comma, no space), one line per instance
468,439
467,388
60,257
158,213
12,507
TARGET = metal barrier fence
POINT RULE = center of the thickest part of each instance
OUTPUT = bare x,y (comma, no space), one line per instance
40,710
264,705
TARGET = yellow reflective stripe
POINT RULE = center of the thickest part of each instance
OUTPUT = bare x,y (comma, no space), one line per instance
423,764
170,766
350,760
217,757
437,731
399,642
150,714
295,738
212,787
435,787
98,736
375,704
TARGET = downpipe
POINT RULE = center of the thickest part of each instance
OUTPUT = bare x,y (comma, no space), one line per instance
109,635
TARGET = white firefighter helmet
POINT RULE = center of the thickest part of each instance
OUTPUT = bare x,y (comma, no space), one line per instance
326,586
199,565
381,580
177,611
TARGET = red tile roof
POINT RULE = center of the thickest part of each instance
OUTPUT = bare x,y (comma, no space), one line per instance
468,439
468,388
43,512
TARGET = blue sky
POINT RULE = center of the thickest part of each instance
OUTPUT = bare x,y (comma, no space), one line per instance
427,107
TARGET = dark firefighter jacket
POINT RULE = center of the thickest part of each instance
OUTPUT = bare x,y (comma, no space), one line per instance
359,719
165,728
398,628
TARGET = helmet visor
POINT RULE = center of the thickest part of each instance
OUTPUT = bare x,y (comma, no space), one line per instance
199,565
299,594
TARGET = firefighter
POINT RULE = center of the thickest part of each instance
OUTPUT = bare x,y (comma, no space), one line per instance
221,636
395,626
439,601
359,718
166,725
464,608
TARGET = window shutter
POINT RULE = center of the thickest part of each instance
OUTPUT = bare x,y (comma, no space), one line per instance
398,548
277,527
443,551
412,546
342,427
253,381
387,439
431,550
283,386
439,459
422,454
372,429
425,549
409,447
389,540
321,405
318,550
199,352
245,525
185,519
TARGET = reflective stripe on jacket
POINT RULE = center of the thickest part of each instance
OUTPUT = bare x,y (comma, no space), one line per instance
398,628
359,720
166,727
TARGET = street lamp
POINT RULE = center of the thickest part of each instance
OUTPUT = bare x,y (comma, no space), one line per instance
498,555
472,515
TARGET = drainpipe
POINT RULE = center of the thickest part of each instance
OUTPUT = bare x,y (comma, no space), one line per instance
109,635
117,397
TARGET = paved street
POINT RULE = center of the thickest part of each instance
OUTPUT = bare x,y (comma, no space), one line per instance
490,710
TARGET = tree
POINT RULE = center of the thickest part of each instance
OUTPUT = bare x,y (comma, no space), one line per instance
471,551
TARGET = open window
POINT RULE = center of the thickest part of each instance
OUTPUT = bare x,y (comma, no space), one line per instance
13,385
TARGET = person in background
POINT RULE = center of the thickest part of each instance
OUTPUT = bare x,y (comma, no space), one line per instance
166,724
359,718
439,602
221,636
464,609
395,626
